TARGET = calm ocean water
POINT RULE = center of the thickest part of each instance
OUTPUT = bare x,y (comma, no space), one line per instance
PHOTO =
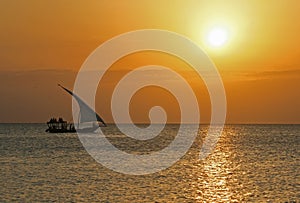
251,163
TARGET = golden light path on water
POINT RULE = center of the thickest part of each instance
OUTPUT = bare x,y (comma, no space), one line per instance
213,182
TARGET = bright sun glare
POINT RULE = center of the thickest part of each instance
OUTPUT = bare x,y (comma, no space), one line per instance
217,37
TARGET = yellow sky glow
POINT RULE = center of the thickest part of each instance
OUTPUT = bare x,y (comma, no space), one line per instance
45,42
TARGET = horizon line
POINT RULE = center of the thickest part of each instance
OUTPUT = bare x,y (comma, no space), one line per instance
250,123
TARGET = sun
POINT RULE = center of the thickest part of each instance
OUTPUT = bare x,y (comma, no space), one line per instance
217,37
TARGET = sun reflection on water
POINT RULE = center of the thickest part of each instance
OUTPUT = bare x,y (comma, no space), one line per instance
216,182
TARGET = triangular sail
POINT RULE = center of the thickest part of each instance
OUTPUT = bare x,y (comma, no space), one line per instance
87,114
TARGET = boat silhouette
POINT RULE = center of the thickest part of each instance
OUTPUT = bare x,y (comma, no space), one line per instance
86,115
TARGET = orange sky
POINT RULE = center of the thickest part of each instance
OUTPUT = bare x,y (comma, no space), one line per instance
43,43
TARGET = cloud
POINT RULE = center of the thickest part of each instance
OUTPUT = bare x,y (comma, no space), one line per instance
261,75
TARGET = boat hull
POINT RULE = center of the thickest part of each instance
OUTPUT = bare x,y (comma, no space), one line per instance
60,131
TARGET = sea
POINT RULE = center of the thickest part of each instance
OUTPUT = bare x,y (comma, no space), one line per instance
250,163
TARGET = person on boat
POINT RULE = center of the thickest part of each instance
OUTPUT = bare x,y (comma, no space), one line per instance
72,127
